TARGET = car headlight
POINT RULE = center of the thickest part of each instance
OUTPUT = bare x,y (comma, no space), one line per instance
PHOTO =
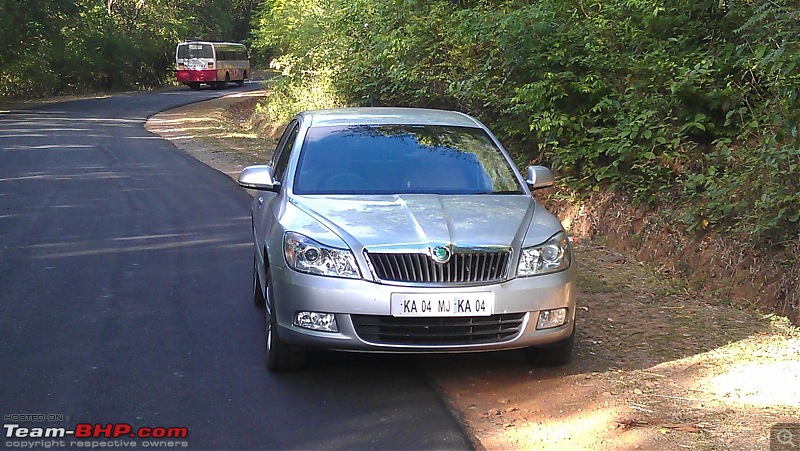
553,255
306,255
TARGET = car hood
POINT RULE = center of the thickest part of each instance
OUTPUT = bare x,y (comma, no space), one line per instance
416,221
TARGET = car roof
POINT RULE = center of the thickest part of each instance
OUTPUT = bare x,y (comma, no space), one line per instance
388,116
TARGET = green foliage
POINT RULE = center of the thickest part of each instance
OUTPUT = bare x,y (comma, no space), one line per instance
297,31
692,103
299,92
53,47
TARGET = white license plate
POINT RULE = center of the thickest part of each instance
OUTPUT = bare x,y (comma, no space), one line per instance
442,304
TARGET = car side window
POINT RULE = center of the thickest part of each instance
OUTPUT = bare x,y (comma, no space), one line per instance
278,147
284,150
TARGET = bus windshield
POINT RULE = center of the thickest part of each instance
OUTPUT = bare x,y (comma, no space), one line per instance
186,51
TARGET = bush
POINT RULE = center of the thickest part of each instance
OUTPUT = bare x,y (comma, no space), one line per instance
694,104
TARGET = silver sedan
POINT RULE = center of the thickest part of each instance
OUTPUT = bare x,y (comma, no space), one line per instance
405,230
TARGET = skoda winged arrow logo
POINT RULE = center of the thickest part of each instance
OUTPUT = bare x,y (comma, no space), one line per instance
440,254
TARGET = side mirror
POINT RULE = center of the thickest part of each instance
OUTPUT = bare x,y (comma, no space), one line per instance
539,177
259,177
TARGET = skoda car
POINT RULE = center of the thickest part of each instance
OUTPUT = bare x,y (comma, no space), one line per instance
405,230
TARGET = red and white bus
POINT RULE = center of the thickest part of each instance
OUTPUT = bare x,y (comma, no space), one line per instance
212,63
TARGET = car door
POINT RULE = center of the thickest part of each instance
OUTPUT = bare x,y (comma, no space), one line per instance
266,206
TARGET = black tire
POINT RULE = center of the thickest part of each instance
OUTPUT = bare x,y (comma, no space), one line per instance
552,355
244,77
258,293
194,86
280,356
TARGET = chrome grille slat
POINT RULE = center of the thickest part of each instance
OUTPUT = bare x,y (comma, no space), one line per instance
420,267
404,273
383,267
463,267
395,267
427,270
387,269
438,331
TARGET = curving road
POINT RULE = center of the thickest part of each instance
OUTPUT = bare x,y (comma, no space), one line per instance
125,298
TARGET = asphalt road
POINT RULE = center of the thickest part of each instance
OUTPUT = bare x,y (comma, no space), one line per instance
125,272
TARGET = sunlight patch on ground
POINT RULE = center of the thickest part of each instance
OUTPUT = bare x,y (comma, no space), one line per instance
244,95
578,431
760,371
756,384
191,128
178,122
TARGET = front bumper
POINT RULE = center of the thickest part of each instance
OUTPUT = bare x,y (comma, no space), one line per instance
293,291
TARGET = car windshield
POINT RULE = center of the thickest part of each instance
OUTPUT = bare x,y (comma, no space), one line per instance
402,159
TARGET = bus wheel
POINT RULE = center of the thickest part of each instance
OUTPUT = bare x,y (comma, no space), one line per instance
194,86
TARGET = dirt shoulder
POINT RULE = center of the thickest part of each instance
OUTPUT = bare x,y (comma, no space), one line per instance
216,132
657,365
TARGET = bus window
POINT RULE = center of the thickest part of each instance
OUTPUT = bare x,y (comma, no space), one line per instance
188,51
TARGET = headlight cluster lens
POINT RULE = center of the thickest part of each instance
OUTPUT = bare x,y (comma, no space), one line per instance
306,255
552,256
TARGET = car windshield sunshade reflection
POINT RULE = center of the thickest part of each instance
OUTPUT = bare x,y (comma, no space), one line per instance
402,159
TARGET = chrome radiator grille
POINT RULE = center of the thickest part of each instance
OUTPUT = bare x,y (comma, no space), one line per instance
438,331
470,267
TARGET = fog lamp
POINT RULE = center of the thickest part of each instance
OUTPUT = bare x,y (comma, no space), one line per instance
552,318
325,322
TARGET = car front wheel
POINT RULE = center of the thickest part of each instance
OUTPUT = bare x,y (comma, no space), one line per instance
258,293
555,354
280,355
